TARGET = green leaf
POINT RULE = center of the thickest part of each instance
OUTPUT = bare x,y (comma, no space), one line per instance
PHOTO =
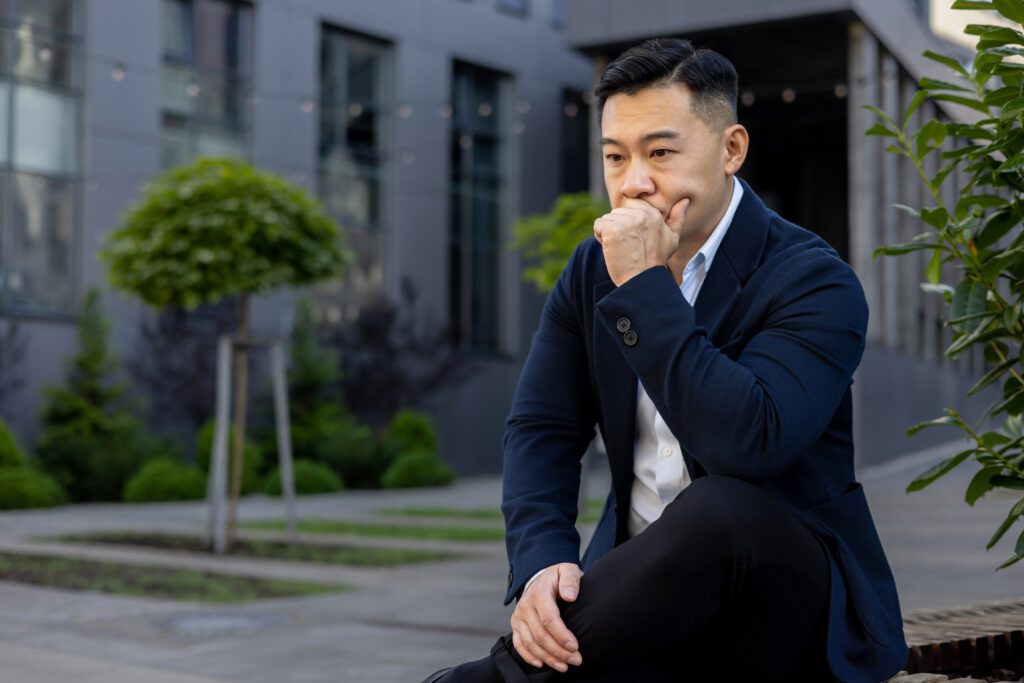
931,135
945,290
934,271
1012,561
999,36
1011,9
935,84
995,227
985,201
973,4
965,101
1012,405
947,61
945,421
915,102
935,216
882,130
1000,261
937,470
960,296
880,114
991,376
1008,481
1016,511
993,440
897,249
980,29
981,483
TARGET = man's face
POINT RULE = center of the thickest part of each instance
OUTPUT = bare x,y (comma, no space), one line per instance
656,149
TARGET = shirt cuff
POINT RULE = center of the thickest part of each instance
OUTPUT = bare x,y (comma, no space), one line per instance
531,580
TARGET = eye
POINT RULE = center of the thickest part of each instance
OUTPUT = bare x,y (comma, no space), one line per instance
613,157
662,156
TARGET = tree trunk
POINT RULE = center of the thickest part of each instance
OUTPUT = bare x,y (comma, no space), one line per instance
238,436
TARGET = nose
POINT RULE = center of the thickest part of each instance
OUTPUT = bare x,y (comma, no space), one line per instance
637,182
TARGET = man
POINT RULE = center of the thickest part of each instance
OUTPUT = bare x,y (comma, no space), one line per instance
713,343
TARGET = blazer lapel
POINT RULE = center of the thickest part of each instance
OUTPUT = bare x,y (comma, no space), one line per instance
736,259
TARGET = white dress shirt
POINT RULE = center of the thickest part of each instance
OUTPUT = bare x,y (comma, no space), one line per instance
658,468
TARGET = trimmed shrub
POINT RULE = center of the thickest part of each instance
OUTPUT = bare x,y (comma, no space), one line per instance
417,468
11,454
165,479
310,477
22,487
92,439
411,430
252,456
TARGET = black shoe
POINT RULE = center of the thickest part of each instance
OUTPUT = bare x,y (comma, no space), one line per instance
437,675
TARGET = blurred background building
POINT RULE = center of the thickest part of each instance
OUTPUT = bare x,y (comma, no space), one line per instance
427,127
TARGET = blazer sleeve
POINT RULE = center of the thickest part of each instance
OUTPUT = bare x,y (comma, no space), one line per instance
754,416
549,428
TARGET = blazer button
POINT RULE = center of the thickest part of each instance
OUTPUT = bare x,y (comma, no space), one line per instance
622,325
510,578
629,338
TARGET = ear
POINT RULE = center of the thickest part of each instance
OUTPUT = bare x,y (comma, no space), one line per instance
735,141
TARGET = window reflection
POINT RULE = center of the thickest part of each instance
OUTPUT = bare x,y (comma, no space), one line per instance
476,199
351,151
40,67
207,62
39,268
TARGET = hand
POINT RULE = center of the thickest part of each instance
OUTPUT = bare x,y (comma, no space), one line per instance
636,237
538,632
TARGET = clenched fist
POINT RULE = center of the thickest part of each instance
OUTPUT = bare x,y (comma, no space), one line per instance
538,632
636,236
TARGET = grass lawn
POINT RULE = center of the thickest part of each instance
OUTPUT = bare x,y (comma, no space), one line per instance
334,526
148,581
359,556
590,513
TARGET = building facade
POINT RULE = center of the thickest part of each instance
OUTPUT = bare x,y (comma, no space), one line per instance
425,127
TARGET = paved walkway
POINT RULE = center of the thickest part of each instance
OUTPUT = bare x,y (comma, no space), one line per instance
400,623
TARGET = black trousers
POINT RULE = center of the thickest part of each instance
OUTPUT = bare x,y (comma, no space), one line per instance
726,584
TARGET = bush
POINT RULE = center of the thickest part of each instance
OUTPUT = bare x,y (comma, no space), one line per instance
411,430
165,479
22,487
252,456
337,439
310,477
417,468
11,454
91,439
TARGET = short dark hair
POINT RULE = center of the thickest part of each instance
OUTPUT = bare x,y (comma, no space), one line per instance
710,77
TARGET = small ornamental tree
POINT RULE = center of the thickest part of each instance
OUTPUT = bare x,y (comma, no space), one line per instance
91,439
218,228
548,240
980,235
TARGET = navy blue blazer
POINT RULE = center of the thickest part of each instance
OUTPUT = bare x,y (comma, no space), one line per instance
754,382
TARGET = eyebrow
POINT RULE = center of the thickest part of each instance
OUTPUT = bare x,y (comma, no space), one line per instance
666,134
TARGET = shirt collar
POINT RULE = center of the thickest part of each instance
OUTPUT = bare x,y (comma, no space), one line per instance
707,251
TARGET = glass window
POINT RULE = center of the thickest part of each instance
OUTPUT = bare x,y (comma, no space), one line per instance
205,92
351,152
45,127
476,201
55,15
38,273
40,77
42,58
